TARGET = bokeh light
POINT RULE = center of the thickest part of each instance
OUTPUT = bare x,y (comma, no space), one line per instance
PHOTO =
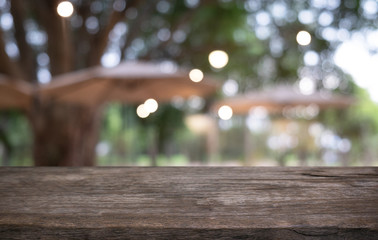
230,87
225,112
258,120
196,102
178,102
110,59
303,38
200,123
6,21
43,76
196,75
92,24
307,86
150,105
331,82
12,50
218,59
142,111
306,16
43,59
311,58
325,18
65,9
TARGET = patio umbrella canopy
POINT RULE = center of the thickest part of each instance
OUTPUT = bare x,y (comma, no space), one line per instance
131,82
276,99
14,94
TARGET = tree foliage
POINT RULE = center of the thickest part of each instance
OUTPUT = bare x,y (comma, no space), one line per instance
36,43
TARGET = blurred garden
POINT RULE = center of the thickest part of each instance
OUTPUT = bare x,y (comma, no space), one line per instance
231,83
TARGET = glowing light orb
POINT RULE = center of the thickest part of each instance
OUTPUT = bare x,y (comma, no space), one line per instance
230,87
142,111
151,105
218,59
225,112
65,9
307,86
303,38
196,75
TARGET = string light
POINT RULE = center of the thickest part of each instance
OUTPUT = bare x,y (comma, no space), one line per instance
303,38
225,112
218,59
65,9
151,105
196,75
142,111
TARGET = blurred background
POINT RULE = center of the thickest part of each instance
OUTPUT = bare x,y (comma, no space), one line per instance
231,83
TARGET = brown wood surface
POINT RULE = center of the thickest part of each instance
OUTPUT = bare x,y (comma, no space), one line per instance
189,203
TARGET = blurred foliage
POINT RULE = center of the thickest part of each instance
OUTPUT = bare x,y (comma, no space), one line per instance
192,30
15,139
359,123
130,138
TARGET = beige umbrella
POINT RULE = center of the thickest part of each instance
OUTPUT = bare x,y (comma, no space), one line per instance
14,94
283,99
131,82
276,99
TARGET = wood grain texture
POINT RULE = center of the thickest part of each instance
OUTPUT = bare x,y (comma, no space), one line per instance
189,203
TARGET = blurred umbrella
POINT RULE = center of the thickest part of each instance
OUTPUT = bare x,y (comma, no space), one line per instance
283,99
14,94
276,99
131,82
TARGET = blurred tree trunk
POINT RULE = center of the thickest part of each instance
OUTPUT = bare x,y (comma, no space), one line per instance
65,135
153,149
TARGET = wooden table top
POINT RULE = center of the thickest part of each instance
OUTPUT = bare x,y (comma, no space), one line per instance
188,203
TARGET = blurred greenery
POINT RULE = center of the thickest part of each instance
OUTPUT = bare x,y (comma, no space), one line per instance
262,53
15,139
360,124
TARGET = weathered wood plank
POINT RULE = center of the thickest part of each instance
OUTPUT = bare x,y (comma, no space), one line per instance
190,203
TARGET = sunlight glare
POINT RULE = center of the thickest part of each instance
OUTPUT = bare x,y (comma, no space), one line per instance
363,71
